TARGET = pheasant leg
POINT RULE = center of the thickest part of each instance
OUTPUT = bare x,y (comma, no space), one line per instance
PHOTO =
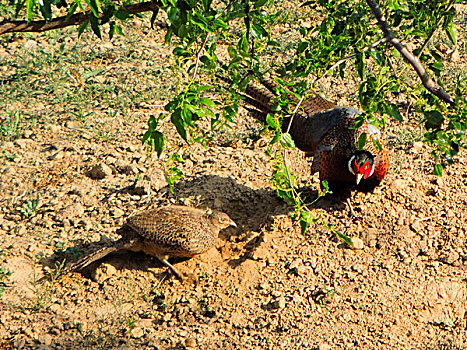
172,269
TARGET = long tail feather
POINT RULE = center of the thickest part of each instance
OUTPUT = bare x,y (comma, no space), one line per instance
99,254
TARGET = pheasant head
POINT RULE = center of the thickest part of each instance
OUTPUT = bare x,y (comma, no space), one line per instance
361,165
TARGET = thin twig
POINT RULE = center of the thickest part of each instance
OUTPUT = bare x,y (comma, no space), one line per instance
198,56
7,26
284,153
342,60
429,84
428,218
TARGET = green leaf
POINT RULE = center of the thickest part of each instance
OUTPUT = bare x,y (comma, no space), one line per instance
344,238
46,9
232,52
95,25
95,8
260,3
438,170
179,123
207,102
451,32
362,140
393,111
92,73
83,27
182,31
243,45
305,220
159,140
272,121
377,144
286,141
30,8
122,14
433,119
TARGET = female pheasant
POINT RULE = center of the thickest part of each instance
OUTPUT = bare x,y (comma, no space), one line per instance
328,134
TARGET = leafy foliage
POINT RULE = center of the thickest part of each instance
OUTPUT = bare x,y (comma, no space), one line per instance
342,38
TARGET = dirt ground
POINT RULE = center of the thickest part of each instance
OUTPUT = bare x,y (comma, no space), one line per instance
264,285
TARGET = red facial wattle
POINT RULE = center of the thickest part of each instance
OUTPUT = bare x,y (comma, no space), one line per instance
365,169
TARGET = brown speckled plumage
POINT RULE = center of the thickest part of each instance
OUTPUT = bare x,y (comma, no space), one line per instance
173,231
325,132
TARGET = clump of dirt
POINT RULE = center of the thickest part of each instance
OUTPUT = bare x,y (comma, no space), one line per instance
72,177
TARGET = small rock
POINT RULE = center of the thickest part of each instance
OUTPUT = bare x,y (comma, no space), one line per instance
449,257
103,272
137,332
259,253
100,171
128,169
30,45
116,212
56,155
405,232
28,134
297,268
418,145
72,211
357,243
24,143
20,230
416,226
55,128
324,346
399,184
190,342
143,188
369,236
278,303
455,57
46,339
19,343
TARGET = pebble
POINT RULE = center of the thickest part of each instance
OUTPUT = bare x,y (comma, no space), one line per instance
137,332
128,169
143,188
190,342
56,155
449,257
416,226
100,171
417,145
278,303
400,184
20,229
357,243
103,272
72,211
324,346
369,236
116,212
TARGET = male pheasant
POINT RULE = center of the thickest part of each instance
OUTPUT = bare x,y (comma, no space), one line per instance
328,134
166,232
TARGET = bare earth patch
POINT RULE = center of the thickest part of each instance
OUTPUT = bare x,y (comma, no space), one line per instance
264,285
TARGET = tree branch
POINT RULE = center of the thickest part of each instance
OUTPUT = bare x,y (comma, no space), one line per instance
429,84
7,26
342,60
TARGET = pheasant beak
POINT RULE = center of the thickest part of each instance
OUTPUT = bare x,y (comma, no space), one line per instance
358,177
